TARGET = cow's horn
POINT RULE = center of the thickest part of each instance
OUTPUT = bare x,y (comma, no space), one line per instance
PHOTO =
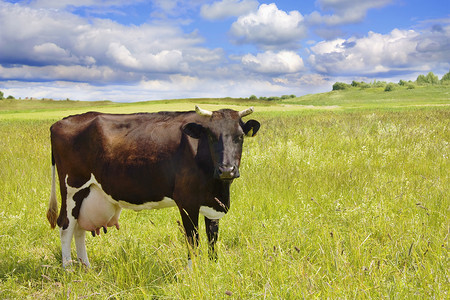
246,112
203,112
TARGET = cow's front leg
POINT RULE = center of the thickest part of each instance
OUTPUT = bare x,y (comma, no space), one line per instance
190,224
212,232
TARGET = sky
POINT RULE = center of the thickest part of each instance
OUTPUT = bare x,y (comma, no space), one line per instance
135,50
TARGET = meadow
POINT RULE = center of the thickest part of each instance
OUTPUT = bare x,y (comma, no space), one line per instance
337,200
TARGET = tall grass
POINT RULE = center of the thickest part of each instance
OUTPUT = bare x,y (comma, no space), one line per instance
329,205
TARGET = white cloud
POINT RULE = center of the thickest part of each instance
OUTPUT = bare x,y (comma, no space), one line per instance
121,55
175,87
400,50
40,38
50,53
345,11
269,62
227,8
269,27
60,72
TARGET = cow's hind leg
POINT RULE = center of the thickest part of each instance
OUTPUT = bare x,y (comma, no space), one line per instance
66,235
212,232
80,243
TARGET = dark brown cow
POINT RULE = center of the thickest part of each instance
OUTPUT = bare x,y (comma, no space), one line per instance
107,162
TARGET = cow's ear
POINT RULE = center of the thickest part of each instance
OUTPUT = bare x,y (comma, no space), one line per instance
193,130
251,127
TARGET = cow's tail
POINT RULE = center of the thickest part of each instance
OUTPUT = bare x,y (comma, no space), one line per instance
52,212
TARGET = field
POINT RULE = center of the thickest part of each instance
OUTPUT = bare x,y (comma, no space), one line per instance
345,199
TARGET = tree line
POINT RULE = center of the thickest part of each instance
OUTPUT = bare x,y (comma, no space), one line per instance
422,80
2,96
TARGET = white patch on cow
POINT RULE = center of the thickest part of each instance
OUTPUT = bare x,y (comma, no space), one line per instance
165,202
96,199
211,213
66,235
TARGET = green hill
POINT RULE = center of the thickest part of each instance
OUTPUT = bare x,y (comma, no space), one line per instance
430,95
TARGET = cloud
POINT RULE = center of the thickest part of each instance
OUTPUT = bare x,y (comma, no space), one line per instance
269,62
345,11
269,28
121,55
220,10
398,51
40,38
50,53
174,87
77,73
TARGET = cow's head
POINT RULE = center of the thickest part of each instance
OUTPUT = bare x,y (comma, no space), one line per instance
224,132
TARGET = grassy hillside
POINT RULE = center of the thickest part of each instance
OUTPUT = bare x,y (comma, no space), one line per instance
378,98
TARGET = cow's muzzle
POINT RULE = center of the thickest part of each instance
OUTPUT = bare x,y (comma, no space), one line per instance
226,172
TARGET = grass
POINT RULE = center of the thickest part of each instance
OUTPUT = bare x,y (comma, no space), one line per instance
338,203
357,98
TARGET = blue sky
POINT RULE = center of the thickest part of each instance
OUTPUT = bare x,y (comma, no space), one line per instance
164,49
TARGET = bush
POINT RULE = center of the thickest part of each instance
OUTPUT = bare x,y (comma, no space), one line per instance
273,98
411,86
356,83
340,86
379,83
252,97
364,85
389,87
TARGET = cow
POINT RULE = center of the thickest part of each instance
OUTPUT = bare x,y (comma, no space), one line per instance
107,162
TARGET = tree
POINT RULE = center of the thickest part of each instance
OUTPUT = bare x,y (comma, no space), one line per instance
446,78
379,84
1,95
432,79
340,86
421,79
252,97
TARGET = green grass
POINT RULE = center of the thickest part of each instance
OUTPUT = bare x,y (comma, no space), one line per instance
337,203
377,98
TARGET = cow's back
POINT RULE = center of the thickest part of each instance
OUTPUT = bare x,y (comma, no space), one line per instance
133,157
